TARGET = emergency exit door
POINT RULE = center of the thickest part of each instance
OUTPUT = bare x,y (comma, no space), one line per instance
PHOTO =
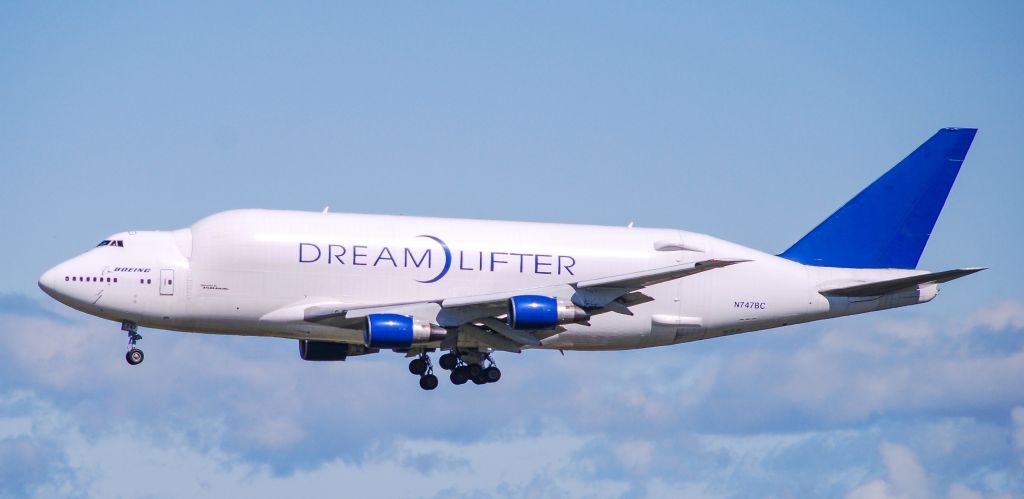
167,281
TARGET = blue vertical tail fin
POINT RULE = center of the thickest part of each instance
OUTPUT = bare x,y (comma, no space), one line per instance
887,225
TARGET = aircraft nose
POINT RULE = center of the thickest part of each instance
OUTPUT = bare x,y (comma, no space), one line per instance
48,282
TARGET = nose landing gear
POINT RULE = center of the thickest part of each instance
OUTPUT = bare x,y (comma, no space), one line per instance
134,356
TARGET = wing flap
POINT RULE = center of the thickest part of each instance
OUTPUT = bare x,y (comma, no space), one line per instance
520,337
486,337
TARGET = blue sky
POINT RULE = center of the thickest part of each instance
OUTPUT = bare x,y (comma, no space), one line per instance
748,121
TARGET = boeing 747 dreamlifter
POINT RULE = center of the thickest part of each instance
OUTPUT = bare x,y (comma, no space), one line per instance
346,285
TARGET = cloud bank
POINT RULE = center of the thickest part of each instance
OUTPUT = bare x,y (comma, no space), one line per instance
896,406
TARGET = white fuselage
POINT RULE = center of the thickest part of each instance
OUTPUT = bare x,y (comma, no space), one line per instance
230,272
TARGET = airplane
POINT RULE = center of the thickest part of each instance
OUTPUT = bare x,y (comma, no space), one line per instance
346,285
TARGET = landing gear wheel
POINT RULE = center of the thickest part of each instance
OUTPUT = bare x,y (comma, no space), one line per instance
428,382
475,370
460,375
480,379
492,374
418,366
134,356
448,361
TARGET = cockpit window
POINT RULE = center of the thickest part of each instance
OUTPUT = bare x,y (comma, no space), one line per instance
105,242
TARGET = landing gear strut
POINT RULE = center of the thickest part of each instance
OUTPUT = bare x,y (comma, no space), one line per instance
134,355
422,367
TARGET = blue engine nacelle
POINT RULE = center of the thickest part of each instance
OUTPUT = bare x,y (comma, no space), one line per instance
329,350
542,312
398,331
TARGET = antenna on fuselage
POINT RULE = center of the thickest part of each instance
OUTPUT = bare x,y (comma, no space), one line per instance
326,208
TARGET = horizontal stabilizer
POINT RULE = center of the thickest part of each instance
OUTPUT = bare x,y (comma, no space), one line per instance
883,287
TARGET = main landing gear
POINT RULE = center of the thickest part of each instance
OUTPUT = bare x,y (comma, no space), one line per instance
470,367
420,366
134,355
464,366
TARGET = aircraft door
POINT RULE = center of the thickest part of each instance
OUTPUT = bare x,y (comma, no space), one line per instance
167,282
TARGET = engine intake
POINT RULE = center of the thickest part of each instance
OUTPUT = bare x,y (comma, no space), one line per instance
329,350
398,331
542,312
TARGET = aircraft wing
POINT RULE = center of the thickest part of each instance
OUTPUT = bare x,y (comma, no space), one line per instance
477,316
882,287
638,280
626,282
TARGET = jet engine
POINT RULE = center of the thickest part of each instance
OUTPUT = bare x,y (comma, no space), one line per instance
329,350
542,312
398,331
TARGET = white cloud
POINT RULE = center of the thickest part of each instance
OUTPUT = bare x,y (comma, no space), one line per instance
905,472
129,462
1017,416
689,417
914,333
1008,314
873,489
905,478
850,373
635,454
961,491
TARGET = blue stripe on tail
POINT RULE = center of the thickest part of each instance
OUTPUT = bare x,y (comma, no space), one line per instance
888,223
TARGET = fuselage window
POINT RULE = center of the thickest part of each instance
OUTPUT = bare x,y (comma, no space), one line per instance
149,281
169,282
115,279
141,281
